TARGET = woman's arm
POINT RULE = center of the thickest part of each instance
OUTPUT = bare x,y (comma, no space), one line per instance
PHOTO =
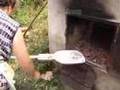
20,51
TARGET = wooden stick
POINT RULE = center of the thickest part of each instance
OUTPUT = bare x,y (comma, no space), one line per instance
34,20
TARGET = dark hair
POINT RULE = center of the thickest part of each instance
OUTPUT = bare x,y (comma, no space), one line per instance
4,3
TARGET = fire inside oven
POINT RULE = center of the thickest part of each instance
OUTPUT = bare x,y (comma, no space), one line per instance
93,38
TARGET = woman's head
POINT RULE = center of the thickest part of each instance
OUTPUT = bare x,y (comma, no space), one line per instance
8,4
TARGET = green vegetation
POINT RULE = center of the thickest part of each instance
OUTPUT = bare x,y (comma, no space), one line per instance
37,42
26,83
37,39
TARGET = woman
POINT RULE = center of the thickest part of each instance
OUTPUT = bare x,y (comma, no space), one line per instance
11,39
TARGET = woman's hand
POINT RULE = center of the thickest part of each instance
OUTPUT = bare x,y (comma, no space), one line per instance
45,76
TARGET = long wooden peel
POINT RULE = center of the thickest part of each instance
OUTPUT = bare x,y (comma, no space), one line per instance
66,57
63,57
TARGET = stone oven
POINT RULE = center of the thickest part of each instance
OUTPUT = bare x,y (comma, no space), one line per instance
92,27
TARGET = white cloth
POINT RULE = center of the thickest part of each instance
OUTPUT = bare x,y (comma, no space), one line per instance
8,73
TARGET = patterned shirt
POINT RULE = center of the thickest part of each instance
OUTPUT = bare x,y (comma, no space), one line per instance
8,29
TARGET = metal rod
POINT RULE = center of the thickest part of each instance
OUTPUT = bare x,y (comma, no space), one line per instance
97,66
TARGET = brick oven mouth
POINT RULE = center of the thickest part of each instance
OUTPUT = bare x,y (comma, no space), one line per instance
102,35
94,38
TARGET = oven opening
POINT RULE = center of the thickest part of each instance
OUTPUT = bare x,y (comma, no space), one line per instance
93,38
102,35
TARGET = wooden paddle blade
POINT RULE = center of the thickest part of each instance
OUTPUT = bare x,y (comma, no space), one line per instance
69,57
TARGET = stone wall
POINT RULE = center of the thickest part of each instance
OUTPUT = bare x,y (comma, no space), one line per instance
57,25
